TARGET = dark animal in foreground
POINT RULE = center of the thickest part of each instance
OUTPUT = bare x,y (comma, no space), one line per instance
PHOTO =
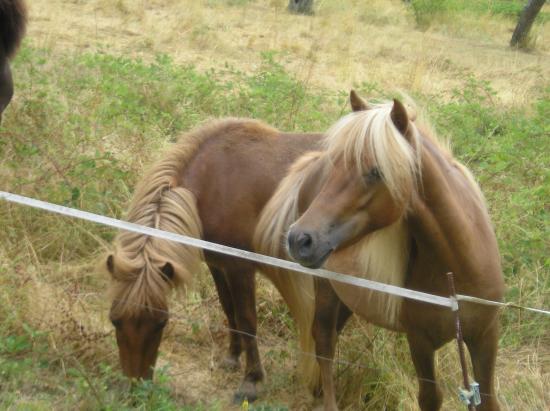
13,21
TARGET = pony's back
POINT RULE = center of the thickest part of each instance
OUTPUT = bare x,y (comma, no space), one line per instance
13,21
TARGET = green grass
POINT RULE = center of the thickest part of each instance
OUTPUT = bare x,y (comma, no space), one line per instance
428,11
508,152
32,380
83,127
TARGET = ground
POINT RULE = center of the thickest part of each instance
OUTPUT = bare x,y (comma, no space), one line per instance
344,45
102,86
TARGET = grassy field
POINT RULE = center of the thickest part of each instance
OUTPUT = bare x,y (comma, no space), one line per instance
102,87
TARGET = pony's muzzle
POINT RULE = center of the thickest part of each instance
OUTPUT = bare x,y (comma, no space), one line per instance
304,247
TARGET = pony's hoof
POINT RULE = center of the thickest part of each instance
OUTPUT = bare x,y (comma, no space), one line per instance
230,363
247,391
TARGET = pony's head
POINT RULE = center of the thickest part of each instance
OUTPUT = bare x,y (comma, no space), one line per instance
145,269
374,162
139,309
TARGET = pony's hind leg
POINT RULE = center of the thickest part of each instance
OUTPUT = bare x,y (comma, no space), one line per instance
231,361
328,316
483,351
422,353
241,281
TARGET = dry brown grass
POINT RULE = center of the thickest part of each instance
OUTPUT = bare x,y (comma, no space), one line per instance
345,44
68,301
75,315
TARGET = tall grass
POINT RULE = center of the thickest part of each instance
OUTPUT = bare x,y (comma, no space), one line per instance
80,132
427,12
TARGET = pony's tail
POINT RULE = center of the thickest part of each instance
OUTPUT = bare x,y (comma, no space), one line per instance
13,22
299,293
296,289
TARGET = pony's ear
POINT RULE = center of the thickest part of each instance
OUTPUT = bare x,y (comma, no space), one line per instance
399,116
110,263
168,271
356,102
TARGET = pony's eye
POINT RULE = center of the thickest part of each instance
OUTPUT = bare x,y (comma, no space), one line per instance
373,175
116,323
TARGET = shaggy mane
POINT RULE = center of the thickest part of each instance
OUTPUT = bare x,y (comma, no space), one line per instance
160,202
367,139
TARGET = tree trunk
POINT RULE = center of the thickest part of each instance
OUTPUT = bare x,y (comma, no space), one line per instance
300,6
526,19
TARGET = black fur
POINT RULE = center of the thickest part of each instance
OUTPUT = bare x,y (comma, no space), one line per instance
13,21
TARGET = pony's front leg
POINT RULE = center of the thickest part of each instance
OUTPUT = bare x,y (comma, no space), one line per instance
422,353
242,285
483,351
327,307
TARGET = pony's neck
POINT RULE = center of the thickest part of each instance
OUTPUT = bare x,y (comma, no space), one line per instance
449,222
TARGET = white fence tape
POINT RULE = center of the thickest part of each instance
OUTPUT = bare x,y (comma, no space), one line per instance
476,300
248,255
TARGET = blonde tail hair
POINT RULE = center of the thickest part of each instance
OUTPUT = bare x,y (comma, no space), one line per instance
296,289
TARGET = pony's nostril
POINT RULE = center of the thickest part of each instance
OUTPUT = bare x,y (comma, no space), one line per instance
304,241
304,244
301,244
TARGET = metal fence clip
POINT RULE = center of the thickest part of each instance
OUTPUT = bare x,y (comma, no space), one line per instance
469,396
474,389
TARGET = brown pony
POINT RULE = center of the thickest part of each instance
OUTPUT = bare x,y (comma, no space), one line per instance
13,20
225,182
394,205
213,184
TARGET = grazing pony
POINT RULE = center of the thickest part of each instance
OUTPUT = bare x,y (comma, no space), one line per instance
13,21
394,206
213,184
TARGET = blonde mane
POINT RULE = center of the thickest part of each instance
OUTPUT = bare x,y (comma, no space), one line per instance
381,256
270,237
369,138
282,208
363,140
160,202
